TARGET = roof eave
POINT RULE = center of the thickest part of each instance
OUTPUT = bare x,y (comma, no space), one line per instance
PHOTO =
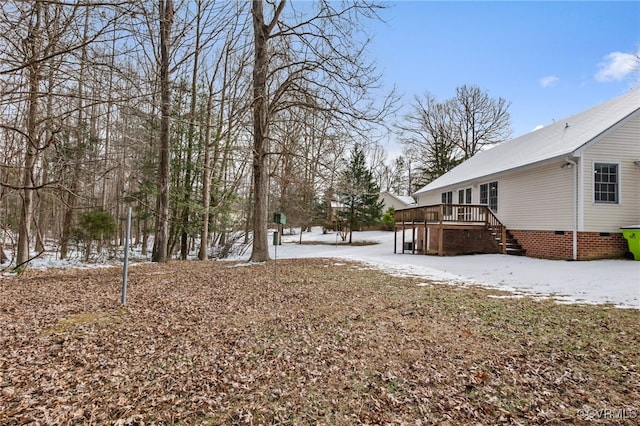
488,177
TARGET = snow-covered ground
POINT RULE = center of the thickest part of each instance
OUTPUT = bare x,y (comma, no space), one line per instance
598,281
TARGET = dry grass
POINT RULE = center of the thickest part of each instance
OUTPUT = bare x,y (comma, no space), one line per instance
304,342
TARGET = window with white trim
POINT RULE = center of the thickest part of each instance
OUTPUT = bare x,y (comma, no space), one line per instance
489,195
606,180
464,196
447,198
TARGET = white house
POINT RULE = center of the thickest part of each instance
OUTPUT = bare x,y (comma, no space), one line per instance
395,201
562,191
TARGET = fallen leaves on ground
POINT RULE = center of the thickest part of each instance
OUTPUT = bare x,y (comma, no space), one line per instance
303,342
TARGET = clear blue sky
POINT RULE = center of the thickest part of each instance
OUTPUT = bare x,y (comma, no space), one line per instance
549,59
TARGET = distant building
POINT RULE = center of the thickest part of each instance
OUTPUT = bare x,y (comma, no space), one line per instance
337,207
396,201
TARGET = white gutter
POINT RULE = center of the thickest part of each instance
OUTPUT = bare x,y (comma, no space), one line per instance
574,165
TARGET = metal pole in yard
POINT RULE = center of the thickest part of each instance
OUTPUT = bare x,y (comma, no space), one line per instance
276,237
125,269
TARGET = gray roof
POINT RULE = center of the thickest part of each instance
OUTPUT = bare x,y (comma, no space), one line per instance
405,199
559,139
408,200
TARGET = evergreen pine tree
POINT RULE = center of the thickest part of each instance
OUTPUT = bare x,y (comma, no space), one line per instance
359,194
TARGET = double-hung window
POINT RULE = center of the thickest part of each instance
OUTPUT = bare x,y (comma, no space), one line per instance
606,180
489,195
464,196
447,199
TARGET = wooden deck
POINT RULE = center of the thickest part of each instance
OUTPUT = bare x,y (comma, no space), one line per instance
441,217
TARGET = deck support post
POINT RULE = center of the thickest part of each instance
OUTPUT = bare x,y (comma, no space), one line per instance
413,238
395,239
440,231
403,231
424,238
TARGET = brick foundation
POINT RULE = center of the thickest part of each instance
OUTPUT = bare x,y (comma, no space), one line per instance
458,241
557,245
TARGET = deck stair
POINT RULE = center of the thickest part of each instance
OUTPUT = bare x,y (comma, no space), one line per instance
513,246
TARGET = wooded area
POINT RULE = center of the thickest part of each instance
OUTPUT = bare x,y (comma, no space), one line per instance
203,116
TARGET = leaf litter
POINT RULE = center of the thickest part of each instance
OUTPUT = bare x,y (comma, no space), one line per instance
304,342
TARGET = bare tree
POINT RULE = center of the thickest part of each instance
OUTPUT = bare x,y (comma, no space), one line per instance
479,120
428,134
439,135
392,175
44,76
217,63
377,159
162,223
319,63
80,136
42,29
262,32
33,45
226,110
399,176
89,114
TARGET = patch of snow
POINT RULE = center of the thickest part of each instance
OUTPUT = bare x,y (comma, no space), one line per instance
614,282
512,296
243,265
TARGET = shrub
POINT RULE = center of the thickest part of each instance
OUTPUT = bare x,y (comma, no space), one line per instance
387,219
94,225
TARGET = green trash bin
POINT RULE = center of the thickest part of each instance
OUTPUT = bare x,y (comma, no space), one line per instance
632,235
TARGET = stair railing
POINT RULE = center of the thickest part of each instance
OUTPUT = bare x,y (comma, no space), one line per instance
493,223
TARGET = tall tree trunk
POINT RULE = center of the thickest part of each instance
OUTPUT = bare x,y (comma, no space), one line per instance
5,210
72,193
206,181
188,185
261,31
108,124
162,225
31,148
43,206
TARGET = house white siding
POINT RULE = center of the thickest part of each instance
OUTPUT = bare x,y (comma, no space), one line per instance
430,198
621,146
539,198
